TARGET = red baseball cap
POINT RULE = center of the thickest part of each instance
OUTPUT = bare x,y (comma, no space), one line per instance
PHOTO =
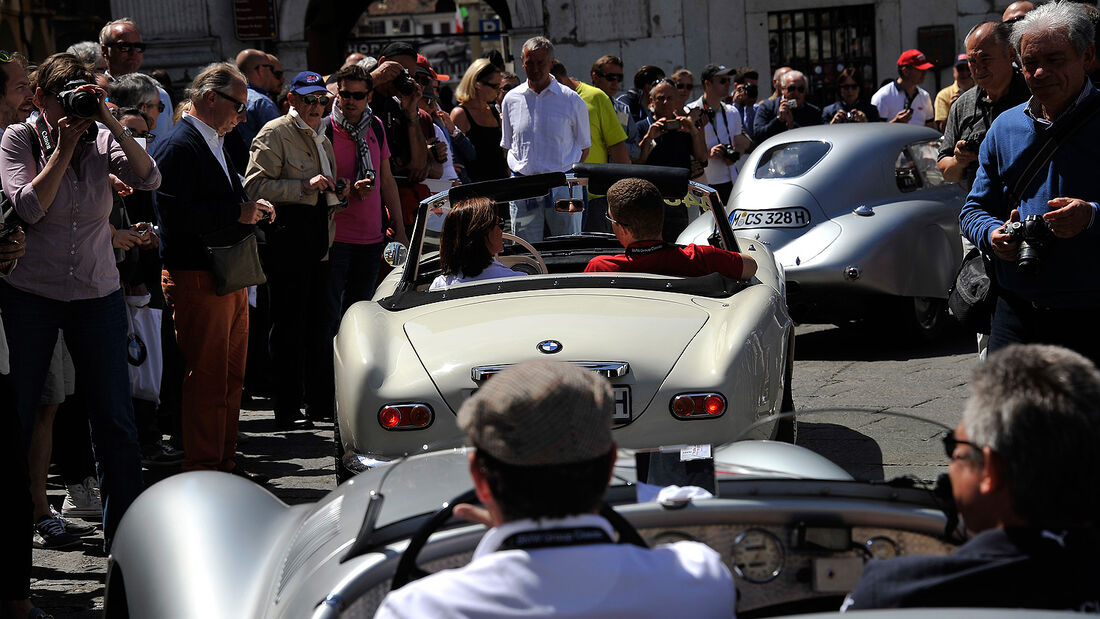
914,58
425,67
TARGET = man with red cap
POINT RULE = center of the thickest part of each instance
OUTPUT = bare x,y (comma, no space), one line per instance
903,100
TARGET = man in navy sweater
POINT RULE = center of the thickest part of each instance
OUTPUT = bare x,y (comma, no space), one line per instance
1058,303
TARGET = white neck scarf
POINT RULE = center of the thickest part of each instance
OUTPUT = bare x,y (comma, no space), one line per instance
319,140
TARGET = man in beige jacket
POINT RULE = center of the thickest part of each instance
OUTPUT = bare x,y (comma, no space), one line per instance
291,163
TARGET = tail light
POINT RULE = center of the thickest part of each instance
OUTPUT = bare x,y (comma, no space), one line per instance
413,416
697,405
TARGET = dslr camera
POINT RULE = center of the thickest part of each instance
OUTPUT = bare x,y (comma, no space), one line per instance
729,153
82,104
974,142
1033,234
404,83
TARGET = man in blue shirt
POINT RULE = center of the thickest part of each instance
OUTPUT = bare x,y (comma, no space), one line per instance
1059,303
262,80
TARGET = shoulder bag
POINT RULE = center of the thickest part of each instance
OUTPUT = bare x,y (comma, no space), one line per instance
235,261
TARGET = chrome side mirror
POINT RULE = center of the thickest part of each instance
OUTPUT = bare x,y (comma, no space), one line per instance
395,254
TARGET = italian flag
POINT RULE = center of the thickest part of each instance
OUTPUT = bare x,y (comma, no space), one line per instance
460,15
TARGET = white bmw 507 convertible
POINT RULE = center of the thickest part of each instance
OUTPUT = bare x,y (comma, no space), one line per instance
692,359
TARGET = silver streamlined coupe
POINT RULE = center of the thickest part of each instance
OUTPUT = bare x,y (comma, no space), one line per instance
795,527
691,360
861,220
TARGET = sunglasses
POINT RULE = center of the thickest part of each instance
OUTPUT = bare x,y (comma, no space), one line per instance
271,67
358,96
159,105
5,56
611,77
508,88
314,99
684,86
240,105
123,46
493,86
794,89
950,443
722,80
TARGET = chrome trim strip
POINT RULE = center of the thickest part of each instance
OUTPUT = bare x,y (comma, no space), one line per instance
608,369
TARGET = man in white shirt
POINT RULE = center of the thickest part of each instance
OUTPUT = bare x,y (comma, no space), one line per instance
544,128
903,100
544,456
723,132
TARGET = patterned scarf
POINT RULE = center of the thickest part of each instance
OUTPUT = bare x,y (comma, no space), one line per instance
358,134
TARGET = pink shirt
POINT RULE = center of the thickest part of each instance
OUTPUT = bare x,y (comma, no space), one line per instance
69,253
361,221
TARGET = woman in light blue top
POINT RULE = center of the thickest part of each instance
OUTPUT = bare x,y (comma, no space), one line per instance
471,238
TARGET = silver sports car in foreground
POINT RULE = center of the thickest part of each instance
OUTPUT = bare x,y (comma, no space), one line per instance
860,219
794,523
691,359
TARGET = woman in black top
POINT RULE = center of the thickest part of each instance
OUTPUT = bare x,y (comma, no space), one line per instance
476,116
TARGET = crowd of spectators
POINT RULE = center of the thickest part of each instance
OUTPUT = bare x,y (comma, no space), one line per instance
104,202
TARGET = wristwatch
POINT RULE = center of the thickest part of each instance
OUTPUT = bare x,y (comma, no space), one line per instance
125,134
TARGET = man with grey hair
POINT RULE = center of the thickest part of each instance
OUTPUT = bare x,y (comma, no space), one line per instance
791,110
121,45
999,87
542,457
89,53
200,198
139,91
1054,302
544,127
1025,475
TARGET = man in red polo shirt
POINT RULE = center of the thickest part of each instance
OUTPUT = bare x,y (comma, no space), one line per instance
636,211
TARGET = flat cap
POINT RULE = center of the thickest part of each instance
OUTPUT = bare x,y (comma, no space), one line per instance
541,413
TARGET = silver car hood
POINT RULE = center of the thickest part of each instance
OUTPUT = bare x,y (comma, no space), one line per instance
502,331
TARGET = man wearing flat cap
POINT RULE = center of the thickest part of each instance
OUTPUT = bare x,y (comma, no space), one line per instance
543,456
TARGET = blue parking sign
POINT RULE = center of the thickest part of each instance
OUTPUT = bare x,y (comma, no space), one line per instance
490,29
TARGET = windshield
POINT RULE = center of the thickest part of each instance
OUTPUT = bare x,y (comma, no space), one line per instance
790,160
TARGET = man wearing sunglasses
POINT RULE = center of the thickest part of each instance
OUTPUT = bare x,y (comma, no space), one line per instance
607,75
789,111
722,130
903,100
1025,475
122,47
261,108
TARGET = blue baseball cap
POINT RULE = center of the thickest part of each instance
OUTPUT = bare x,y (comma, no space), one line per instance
307,82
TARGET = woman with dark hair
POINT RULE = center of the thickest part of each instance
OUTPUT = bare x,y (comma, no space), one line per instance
472,236
849,109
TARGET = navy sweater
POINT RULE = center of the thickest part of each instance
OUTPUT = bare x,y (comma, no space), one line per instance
1070,277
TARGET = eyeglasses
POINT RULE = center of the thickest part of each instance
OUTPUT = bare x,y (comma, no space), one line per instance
607,214
684,86
950,443
358,96
159,105
314,99
849,86
5,56
493,86
508,87
611,77
722,80
124,46
793,88
240,105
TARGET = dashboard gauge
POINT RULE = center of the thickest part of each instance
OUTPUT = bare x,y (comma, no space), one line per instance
882,547
757,556
670,537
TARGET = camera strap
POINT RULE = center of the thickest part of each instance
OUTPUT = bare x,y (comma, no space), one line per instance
42,130
1057,136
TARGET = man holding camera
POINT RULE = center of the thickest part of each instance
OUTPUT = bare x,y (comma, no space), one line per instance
999,88
1054,295
722,132
789,111
903,100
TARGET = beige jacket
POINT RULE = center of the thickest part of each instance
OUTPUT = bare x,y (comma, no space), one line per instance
281,157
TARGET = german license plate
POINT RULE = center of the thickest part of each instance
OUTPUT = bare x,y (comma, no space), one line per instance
622,405
792,217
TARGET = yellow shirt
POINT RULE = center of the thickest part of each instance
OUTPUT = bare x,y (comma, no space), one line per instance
603,122
943,101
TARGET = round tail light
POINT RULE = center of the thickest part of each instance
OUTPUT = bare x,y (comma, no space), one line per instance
683,405
389,417
420,416
714,405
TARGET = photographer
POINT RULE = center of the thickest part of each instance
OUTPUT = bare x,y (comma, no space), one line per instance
775,116
56,174
848,109
293,165
1057,304
723,132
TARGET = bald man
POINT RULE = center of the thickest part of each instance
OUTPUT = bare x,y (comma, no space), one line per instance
1016,11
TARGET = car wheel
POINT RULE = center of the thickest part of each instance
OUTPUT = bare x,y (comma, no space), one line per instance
926,317
342,473
786,429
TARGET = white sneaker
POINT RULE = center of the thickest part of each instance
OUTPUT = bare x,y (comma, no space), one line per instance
82,500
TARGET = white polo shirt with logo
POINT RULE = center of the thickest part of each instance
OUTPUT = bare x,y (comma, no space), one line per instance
890,100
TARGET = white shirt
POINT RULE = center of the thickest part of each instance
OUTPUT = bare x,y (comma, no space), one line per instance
213,140
543,132
685,579
494,270
890,100
725,126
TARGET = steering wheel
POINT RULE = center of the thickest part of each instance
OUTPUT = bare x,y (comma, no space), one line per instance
408,571
539,262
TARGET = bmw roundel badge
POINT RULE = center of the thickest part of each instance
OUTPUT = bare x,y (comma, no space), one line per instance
549,347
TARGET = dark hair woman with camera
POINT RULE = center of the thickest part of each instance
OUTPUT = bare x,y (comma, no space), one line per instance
56,174
849,108
472,236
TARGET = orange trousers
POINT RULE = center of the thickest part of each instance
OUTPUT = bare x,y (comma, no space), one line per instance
212,333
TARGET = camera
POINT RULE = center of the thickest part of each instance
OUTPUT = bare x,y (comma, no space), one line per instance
751,90
404,83
672,125
341,185
6,231
974,142
369,177
84,104
1032,233
729,153
792,104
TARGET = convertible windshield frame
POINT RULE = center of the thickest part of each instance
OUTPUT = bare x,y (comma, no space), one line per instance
407,296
